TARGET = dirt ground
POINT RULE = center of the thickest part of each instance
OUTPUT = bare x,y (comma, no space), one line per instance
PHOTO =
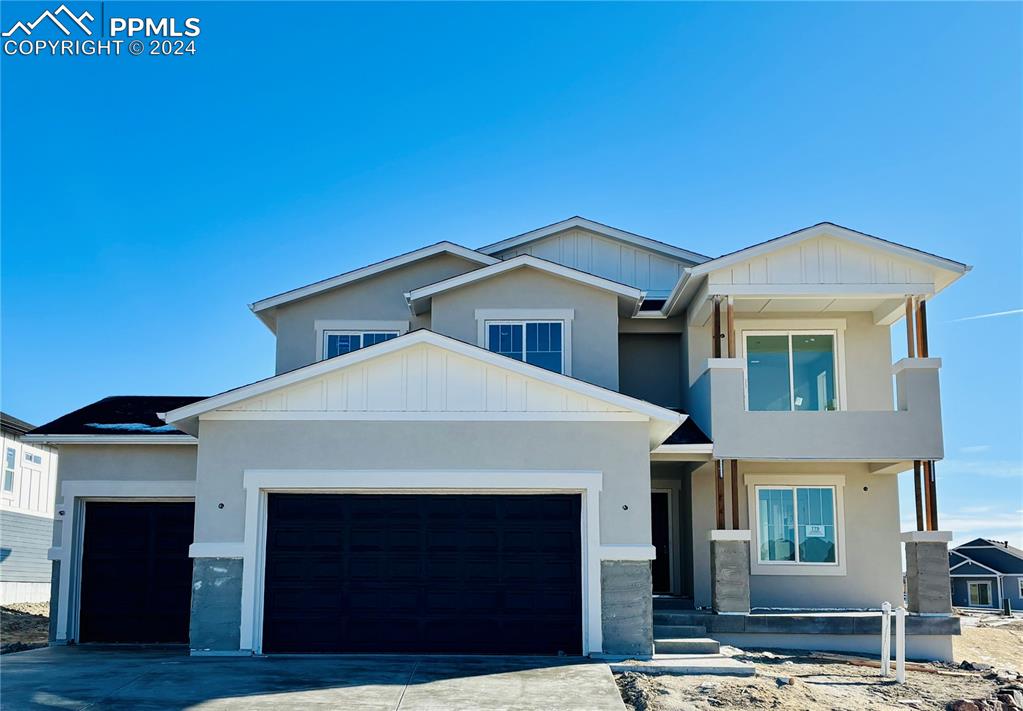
819,684
23,625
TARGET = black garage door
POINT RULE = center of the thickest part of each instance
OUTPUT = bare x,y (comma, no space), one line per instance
136,574
423,574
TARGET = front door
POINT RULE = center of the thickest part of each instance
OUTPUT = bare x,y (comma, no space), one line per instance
660,535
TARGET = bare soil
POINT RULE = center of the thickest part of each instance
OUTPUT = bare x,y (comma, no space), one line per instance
24,625
797,681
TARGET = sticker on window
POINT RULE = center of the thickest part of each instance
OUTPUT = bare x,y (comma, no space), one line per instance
814,531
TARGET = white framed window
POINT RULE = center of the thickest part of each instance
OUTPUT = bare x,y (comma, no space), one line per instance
541,337
9,461
792,370
33,458
337,343
1019,581
797,524
980,593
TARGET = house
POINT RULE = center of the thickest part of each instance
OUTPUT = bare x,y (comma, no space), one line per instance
577,440
986,572
27,492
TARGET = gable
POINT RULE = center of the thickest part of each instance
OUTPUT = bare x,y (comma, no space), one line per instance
996,558
973,570
605,257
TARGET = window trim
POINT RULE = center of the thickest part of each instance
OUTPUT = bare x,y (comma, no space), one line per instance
360,334
485,317
784,481
784,327
969,595
323,327
8,493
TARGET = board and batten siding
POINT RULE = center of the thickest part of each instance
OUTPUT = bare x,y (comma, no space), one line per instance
654,273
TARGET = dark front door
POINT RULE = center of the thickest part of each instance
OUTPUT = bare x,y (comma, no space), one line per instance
365,573
136,573
660,536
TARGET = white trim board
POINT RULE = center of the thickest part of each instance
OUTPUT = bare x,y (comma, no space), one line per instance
259,482
74,495
261,306
419,299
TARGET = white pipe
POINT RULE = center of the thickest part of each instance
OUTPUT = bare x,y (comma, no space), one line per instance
900,645
886,638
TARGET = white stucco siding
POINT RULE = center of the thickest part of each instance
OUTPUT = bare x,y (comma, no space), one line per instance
620,450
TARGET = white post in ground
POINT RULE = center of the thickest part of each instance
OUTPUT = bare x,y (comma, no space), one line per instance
886,638
900,645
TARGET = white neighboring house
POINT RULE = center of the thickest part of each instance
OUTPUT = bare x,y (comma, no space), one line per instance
27,495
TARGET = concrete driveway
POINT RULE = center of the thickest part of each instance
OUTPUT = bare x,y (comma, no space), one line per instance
80,678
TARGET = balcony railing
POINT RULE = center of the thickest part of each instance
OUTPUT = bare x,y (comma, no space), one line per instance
911,431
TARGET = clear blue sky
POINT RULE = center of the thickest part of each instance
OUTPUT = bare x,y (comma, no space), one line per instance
146,201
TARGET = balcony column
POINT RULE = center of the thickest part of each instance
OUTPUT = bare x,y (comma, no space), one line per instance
927,578
729,572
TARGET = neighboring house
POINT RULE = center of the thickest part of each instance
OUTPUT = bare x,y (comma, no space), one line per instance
511,449
985,572
27,492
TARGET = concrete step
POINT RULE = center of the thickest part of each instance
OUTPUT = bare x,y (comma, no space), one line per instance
686,645
686,664
678,617
673,603
676,631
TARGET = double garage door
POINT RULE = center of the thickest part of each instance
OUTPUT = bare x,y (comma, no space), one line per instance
357,573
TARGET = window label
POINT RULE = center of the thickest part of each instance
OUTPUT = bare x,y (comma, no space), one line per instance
814,531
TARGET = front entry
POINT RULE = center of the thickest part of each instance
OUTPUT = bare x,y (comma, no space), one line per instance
423,573
660,536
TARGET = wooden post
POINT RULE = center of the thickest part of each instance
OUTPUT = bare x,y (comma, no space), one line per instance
735,491
719,493
932,500
918,490
921,328
910,335
716,349
731,328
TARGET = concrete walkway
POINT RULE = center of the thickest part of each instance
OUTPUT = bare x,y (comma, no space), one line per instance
81,678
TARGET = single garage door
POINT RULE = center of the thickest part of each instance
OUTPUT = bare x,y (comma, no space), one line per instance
441,574
136,573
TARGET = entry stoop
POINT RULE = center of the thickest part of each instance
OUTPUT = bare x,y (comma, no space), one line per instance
681,645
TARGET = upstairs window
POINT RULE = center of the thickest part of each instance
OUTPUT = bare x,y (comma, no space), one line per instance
9,461
337,343
34,458
791,370
539,343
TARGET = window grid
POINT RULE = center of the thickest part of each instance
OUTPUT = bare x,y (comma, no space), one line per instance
802,508
336,343
539,343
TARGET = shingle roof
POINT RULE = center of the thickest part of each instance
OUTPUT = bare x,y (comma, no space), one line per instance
993,554
688,433
14,425
119,415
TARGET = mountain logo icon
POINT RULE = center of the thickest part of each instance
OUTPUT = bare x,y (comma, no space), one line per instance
55,17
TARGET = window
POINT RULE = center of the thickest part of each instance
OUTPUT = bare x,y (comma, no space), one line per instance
1020,582
796,525
980,593
337,343
34,458
539,343
9,461
791,370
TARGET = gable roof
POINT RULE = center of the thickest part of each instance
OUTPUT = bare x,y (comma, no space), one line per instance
578,222
14,425
994,555
662,421
116,419
263,308
629,296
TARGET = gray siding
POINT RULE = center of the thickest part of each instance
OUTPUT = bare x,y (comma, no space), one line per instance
961,590
594,328
24,541
378,298
650,367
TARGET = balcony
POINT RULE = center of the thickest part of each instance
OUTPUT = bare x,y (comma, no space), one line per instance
911,431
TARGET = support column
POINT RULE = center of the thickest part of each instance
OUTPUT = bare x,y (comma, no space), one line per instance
735,494
918,493
719,494
730,325
729,572
716,344
932,498
927,577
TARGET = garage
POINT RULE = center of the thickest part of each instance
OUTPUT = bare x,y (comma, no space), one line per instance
136,574
423,574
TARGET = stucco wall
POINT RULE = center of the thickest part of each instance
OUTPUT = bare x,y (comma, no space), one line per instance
872,545
378,298
594,328
868,354
619,449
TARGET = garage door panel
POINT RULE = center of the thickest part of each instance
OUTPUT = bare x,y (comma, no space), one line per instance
136,575
425,574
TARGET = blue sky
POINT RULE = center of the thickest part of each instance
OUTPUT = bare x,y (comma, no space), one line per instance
145,201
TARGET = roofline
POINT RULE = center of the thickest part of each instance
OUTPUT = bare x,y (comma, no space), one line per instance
601,229
991,544
368,271
408,340
974,562
110,439
525,260
822,228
